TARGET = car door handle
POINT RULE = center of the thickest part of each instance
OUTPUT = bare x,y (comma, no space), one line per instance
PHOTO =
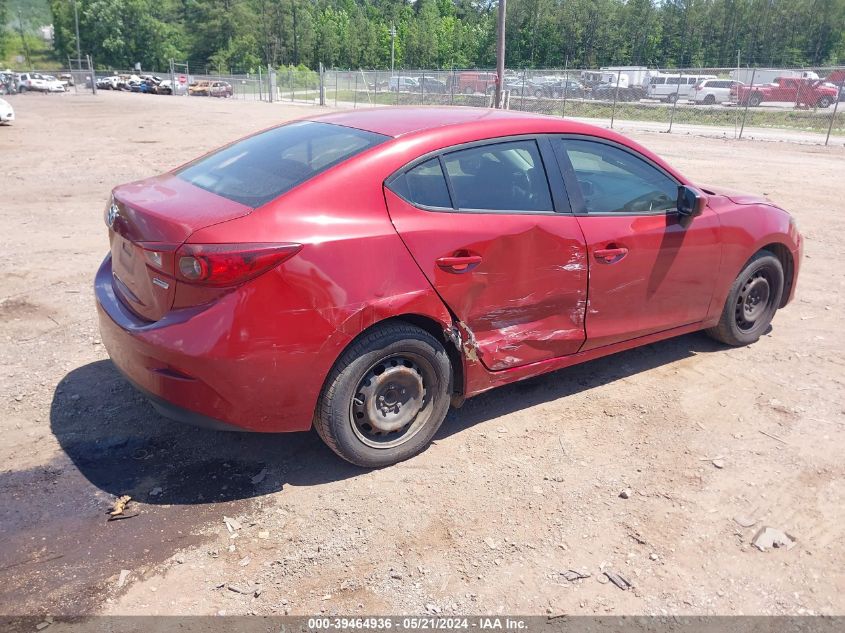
458,263
610,255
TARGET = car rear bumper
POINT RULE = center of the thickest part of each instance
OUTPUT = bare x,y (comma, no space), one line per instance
197,368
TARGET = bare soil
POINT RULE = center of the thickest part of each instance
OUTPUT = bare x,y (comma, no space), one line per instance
521,485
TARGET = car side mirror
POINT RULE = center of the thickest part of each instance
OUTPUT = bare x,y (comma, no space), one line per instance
690,202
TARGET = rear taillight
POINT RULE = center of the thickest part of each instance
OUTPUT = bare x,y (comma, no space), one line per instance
229,264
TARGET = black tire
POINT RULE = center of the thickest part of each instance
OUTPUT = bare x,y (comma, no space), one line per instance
395,365
672,98
752,301
710,100
824,102
755,99
469,90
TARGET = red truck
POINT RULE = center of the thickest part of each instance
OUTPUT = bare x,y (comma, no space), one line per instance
474,82
801,91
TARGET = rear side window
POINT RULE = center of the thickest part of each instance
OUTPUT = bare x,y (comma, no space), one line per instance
424,185
500,177
262,167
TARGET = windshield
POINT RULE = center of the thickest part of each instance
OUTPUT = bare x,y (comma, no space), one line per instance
264,166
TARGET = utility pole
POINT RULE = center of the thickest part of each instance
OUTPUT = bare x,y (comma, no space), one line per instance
392,47
500,53
76,20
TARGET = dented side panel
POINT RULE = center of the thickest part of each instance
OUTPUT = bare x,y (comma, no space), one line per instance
525,301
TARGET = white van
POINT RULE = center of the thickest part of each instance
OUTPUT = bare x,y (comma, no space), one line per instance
668,87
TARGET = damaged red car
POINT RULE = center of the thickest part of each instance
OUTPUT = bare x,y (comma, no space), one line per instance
361,271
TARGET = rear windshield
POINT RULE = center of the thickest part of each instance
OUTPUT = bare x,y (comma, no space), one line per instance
262,167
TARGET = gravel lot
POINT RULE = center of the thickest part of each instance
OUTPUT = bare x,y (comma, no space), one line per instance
521,485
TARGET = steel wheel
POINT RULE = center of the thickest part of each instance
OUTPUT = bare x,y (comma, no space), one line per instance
386,396
390,403
754,301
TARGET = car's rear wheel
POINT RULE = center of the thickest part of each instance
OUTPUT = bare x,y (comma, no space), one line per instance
709,100
386,396
755,99
752,301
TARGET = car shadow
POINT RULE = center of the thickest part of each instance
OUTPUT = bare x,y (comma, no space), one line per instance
121,445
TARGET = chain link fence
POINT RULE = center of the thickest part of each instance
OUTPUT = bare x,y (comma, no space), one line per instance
733,101
787,104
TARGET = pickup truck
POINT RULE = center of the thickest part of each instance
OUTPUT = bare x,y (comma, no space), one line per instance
798,90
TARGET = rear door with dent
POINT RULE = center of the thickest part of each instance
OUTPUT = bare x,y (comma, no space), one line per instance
495,238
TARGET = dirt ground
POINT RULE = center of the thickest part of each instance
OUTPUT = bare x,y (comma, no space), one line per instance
521,484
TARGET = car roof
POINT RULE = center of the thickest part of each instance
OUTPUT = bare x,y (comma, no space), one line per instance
449,125
399,121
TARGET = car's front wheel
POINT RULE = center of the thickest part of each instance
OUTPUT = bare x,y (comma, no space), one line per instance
752,301
386,396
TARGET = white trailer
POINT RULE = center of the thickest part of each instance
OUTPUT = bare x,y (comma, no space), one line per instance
768,75
636,75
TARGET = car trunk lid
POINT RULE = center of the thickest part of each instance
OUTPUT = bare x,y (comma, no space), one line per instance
148,221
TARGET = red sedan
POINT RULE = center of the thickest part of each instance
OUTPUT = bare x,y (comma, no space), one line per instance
361,271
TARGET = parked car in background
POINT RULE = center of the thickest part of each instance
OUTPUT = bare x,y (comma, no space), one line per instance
247,290
112,82
572,88
521,86
53,84
221,89
200,88
610,91
148,86
66,79
8,83
31,81
713,91
166,87
472,82
401,83
669,87
802,92
432,85
7,113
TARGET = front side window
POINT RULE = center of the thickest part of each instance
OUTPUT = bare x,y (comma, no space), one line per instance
613,180
505,176
262,167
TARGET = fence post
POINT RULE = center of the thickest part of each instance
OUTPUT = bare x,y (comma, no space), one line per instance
615,99
172,79
747,101
452,86
260,85
565,86
522,92
675,101
835,108
355,102
322,86
93,75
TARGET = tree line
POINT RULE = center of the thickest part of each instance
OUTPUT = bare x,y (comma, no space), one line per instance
240,35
